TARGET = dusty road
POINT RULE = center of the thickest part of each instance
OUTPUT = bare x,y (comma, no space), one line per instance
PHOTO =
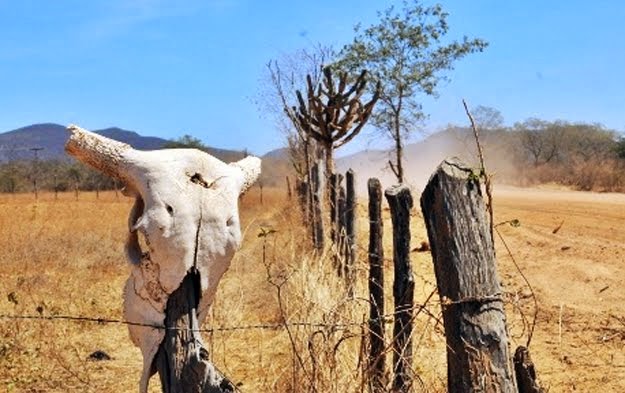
571,247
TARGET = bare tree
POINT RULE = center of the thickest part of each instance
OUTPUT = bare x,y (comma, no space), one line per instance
332,113
277,96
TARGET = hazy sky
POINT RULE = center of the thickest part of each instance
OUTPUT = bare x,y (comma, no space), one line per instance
167,68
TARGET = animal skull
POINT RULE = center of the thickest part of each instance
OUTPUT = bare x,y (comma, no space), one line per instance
186,209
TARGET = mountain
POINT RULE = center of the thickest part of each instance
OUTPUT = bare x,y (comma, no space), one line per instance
18,145
51,138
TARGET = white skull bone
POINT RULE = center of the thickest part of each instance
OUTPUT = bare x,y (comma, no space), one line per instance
186,208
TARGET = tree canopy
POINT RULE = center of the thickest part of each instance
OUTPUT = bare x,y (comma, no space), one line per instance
408,53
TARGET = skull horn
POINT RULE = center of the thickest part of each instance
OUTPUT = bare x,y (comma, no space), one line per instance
250,166
106,155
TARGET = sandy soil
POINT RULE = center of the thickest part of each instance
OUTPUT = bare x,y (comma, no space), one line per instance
570,246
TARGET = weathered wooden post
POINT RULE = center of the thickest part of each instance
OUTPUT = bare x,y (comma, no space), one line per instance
260,187
334,186
464,262
525,372
340,225
182,362
377,358
350,232
400,202
303,199
316,218
56,188
288,188
192,231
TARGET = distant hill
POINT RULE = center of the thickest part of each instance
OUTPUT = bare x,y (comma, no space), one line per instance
16,144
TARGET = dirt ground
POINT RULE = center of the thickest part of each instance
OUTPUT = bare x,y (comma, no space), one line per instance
571,248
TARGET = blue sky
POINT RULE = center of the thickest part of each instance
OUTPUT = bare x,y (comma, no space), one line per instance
167,68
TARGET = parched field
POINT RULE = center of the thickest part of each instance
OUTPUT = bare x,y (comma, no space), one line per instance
65,257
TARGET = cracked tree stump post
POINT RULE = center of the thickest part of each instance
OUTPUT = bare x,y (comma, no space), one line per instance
464,262
377,357
182,362
400,202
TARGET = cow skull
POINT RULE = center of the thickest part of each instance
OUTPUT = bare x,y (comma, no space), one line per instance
186,210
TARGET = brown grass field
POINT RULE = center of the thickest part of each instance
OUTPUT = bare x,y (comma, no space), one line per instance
65,257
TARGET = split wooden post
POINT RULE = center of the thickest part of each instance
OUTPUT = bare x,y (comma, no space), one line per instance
400,202
464,262
182,362
377,357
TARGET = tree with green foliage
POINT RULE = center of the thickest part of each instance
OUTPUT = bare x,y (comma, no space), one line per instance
406,51
186,142
487,118
620,148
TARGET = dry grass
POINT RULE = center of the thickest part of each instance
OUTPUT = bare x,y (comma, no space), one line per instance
66,257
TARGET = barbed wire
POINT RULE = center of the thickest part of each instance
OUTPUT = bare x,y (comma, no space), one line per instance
385,319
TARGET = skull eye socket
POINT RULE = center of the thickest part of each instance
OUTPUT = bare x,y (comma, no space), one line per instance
170,210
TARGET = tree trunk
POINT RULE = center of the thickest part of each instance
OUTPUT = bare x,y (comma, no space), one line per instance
464,262
182,361
377,357
399,152
328,149
400,202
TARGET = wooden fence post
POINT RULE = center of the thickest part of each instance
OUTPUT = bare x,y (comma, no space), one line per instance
302,196
464,262
317,219
340,233
350,227
260,186
377,357
525,372
400,202
334,190
288,188
182,361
